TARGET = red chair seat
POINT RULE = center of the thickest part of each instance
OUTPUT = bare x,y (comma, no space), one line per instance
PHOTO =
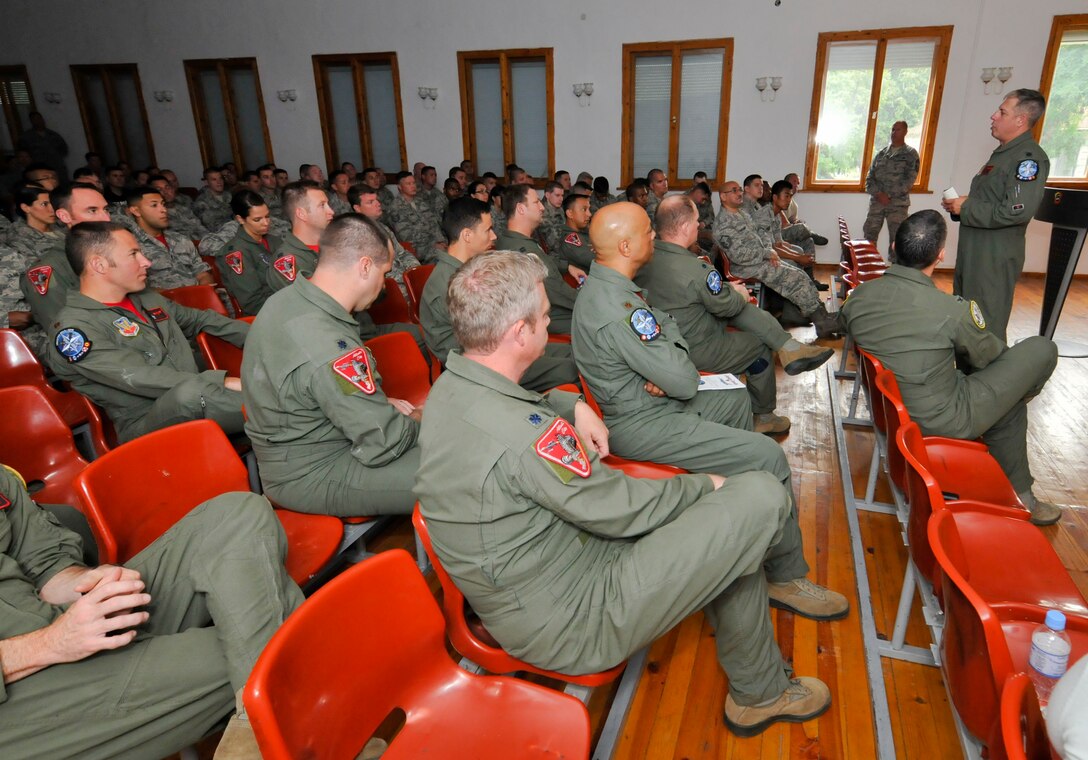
403,369
35,441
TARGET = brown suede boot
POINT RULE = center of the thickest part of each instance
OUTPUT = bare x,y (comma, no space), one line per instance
804,699
803,358
806,599
827,325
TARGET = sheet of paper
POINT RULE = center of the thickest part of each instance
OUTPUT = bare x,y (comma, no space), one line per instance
722,382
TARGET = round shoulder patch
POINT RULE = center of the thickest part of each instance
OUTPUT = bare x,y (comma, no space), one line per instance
72,344
976,316
645,324
1027,171
714,282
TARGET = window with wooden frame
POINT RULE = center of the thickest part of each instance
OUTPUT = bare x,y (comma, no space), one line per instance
361,118
507,112
228,108
111,104
676,109
17,101
1063,130
865,82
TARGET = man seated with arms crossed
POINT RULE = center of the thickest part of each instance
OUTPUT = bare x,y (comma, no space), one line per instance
174,260
327,438
141,660
704,306
467,224
920,333
571,565
127,348
413,219
212,203
751,257
769,226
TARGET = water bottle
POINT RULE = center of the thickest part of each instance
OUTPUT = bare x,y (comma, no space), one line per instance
1049,654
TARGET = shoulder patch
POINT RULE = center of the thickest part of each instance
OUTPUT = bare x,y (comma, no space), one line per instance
714,282
39,278
158,314
645,324
234,261
285,265
560,446
5,502
72,344
1027,171
354,373
126,327
574,239
976,316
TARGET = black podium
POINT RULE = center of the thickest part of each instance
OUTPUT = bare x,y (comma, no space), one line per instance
1067,210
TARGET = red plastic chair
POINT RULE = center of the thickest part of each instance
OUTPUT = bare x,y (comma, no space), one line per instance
19,366
136,492
220,354
392,307
197,297
414,279
992,608
1023,730
314,694
404,372
35,441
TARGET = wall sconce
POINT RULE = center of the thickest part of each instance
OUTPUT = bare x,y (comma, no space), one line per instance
52,97
987,77
761,85
164,96
1004,74
286,95
776,85
583,88
428,95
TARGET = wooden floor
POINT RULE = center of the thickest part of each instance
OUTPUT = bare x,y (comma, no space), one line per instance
677,709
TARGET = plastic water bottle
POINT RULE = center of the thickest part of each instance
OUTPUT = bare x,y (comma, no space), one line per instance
1049,654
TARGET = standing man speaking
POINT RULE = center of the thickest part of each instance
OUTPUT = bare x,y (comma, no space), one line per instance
890,178
995,214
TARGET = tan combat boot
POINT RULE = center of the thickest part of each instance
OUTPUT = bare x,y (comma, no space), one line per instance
770,423
804,699
806,599
804,358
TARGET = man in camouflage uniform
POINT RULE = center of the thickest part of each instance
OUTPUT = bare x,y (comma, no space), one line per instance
364,200
413,220
750,257
174,260
890,178
182,219
212,204
659,187
270,191
601,196
14,310
374,177
430,194
35,227
554,220
338,193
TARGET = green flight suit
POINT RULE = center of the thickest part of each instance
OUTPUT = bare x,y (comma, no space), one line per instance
143,372
918,332
221,564
573,247
704,305
576,567
243,263
1003,198
555,367
325,435
620,342
560,295
46,284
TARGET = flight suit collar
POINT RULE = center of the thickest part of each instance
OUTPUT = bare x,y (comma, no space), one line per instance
323,301
519,237
291,244
1015,142
909,273
480,375
612,277
444,257
664,247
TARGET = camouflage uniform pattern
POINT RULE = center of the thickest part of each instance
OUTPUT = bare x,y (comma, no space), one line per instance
274,201
749,257
498,220
551,226
29,242
414,223
435,199
893,171
337,204
12,266
174,265
402,260
212,210
596,203
184,222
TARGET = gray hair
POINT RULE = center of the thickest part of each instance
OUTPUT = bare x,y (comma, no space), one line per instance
492,292
1031,103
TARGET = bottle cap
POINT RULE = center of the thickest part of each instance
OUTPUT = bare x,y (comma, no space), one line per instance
1055,620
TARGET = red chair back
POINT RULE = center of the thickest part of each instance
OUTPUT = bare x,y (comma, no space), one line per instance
403,369
589,396
923,494
35,441
371,641
214,271
414,279
870,367
1023,730
392,307
18,365
895,414
197,297
219,354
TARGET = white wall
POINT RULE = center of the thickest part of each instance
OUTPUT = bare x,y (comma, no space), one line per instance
587,38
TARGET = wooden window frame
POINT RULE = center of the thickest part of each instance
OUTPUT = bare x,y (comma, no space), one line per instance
193,67
943,37
631,51
357,61
104,71
18,71
468,114
1061,25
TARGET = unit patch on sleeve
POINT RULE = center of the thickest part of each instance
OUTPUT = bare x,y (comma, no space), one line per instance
714,282
126,327
559,445
353,372
158,314
234,260
1027,171
72,344
285,265
976,316
39,278
645,324
5,502
574,239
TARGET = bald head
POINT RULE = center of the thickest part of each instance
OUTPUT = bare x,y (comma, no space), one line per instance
677,220
622,236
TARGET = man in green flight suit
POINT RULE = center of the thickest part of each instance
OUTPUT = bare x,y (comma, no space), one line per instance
467,224
994,215
704,306
918,332
127,348
327,438
572,245
106,662
574,566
